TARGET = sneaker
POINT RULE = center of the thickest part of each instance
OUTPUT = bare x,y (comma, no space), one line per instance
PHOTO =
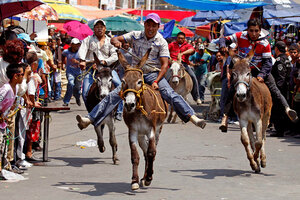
78,102
292,114
118,116
65,104
16,170
199,102
23,164
83,122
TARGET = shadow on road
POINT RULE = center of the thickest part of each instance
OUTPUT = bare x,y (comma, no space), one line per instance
213,173
99,189
79,162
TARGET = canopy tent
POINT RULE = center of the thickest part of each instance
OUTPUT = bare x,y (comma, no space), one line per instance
171,30
215,15
119,25
187,22
187,32
177,15
213,5
91,13
233,27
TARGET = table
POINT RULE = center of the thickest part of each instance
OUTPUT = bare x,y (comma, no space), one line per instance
47,109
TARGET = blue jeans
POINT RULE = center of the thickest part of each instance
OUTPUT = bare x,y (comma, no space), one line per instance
74,85
88,81
202,82
106,106
224,94
55,87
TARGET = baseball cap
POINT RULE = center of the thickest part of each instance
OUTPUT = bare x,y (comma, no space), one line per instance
154,17
99,20
213,47
75,41
42,43
281,46
25,36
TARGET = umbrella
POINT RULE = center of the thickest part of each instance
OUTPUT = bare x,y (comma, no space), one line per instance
77,29
120,24
187,22
10,8
42,12
66,11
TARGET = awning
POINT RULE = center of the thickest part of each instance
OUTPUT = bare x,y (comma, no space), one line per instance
178,15
95,13
188,33
213,5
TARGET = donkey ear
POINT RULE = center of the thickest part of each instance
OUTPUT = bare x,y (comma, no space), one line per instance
250,55
97,61
122,59
144,59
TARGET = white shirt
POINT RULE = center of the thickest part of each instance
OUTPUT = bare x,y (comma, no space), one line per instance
106,52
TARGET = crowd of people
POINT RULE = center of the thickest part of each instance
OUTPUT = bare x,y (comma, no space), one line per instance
31,76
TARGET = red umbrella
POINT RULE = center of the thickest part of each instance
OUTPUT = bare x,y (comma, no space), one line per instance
10,8
77,29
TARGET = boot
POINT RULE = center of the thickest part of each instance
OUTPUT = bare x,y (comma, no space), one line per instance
291,114
224,123
83,122
198,122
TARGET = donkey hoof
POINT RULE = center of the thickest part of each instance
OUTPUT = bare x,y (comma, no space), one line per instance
263,164
135,186
147,183
257,170
116,161
102,149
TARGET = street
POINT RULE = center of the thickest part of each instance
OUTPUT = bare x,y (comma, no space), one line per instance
191,163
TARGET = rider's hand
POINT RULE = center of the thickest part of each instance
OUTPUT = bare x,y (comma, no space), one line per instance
82,65
117,44
154,85
260,79
179,56
94,66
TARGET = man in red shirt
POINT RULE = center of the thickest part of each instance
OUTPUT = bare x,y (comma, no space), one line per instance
180,49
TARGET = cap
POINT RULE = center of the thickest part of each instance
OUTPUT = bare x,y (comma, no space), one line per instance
25,36
154,17
281,46
201,46
99,20
213,47
232,45
75,41
42,43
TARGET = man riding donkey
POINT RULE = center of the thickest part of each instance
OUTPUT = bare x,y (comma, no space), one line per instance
261,65
99,43
142,41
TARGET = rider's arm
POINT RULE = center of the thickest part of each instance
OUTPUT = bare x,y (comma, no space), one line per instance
164,67
266,63
117,41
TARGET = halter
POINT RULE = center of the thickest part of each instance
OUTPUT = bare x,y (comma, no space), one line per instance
248,85
184,72
139,93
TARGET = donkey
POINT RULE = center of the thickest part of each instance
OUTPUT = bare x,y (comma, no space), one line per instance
144,114
252,103
98,90
181,82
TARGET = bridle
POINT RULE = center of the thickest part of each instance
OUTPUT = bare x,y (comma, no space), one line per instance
182,74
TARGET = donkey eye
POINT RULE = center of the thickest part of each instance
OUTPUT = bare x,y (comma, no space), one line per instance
234,75
140,82
123,82
248,74
110,80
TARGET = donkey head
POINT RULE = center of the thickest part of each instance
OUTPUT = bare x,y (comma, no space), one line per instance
175,69
132,82
104,78
241,76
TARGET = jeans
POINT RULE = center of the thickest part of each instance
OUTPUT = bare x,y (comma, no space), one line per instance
73,87
224,94
55,88
88,81
195,90
106,106
202,82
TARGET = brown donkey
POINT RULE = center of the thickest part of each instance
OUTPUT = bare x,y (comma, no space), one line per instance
252,103
181,82
144,114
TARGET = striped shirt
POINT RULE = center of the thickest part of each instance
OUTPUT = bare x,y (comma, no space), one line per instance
140,45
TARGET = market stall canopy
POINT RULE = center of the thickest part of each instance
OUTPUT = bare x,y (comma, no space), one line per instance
213,5
9,8
187,32
187,22
119,24
215,15
91,13
66,11
178,15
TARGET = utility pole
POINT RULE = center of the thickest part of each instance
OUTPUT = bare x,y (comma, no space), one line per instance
153,4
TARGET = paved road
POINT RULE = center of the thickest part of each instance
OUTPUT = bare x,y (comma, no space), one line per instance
191,164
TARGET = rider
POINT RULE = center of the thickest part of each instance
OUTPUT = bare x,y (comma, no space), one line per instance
261,65
98,43
182,50
141,41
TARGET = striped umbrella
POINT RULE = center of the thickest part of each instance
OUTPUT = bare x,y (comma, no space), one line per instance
43,12
66,11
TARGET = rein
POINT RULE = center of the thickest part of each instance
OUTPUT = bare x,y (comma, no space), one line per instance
139,93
